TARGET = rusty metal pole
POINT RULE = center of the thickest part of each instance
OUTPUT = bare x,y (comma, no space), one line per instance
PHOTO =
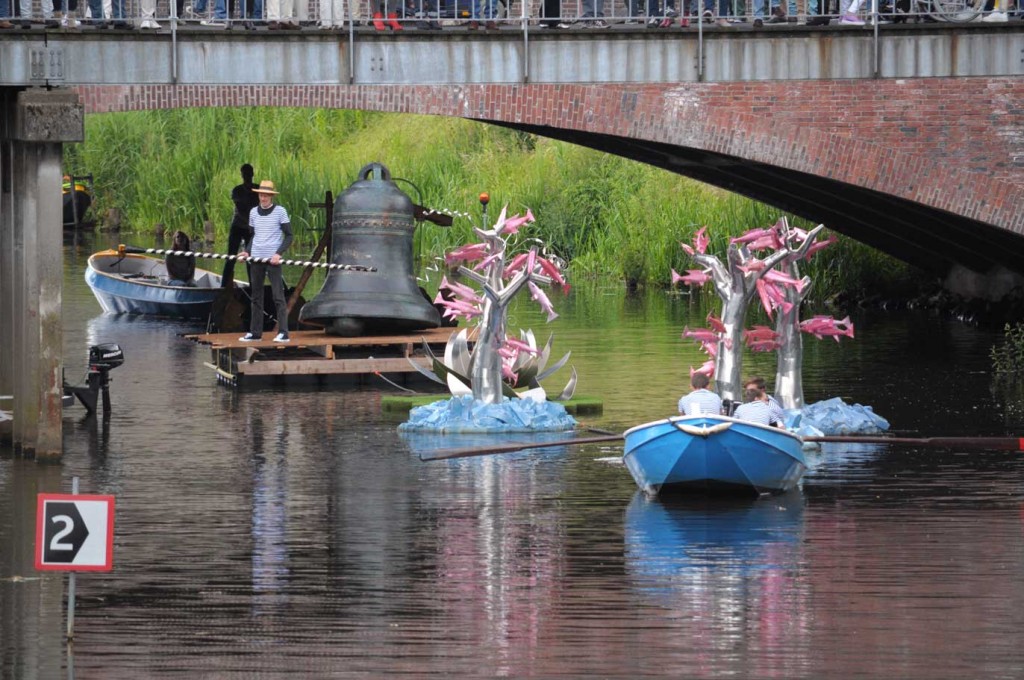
43,120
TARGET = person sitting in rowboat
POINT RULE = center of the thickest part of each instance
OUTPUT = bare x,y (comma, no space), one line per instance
700,400
773,405
181,269
755,408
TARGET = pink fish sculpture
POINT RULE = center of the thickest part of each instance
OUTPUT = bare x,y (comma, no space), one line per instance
764,345
540,298
759,334
701,240
822,326
715,323
707,368
471,252
820,245
700,334
693,277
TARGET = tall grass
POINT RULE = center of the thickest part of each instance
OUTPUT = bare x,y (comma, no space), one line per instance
607,216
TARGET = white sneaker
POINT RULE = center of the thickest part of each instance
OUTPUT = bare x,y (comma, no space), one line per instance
149,23
281,337
997,17
248,337
851,20
216,23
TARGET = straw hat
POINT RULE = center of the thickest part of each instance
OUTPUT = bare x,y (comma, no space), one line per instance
265,187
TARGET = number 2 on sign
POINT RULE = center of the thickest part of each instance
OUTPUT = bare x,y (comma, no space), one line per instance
69,525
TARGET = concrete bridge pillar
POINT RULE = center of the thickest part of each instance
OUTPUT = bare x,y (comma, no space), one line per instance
34,124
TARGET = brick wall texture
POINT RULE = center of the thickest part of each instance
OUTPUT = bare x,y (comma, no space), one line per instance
942,142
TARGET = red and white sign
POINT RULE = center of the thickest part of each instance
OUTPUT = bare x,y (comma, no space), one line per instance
74,532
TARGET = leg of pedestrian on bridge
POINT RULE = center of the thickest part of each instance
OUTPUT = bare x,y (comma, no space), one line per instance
552,11
220,15
998,13
148,9
45,7
850,14
96,14
5,15
593,15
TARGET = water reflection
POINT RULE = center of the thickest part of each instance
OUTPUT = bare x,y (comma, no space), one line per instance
729,565
269,509
295,533
691,547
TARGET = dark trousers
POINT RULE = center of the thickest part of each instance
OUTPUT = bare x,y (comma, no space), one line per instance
257,272
235,238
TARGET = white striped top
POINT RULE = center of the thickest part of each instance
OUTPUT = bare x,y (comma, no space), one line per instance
700,401
755,412
267,236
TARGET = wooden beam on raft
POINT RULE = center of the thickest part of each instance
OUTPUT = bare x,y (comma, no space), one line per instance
330,366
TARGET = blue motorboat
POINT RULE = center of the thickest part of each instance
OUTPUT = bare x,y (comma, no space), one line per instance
137,284
710,453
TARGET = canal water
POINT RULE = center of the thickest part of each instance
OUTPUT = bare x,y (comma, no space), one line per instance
295,533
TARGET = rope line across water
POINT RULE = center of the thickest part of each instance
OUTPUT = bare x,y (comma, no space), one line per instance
223,256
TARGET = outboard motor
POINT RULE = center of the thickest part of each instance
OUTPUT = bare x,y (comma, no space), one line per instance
102,359
373,226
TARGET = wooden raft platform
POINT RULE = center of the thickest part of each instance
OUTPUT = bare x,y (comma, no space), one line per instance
314,353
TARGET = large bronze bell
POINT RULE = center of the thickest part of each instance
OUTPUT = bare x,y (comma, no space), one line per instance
373,226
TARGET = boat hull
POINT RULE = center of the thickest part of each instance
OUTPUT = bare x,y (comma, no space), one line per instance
78,201
135,284
713,454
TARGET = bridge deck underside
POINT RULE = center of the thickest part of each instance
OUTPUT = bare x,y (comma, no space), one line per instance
928,238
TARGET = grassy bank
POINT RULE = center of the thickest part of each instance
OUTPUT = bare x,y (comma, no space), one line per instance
607,216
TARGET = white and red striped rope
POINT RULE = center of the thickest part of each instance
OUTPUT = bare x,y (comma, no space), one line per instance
224,256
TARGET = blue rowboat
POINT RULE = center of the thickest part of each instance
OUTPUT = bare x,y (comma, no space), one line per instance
136,284
713,454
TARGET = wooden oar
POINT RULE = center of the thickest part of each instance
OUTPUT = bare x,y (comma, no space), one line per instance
982,443
122,249
509,448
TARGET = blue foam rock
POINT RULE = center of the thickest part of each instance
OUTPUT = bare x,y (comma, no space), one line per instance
834,416
466,414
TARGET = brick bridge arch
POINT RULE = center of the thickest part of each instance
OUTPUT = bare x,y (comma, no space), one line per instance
929,170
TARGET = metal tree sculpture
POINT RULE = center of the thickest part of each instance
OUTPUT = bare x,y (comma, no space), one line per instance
735,283
789,387
495,355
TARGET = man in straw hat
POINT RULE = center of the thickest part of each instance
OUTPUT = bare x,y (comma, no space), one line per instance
270,235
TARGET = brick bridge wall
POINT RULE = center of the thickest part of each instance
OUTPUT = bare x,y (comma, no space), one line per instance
956,144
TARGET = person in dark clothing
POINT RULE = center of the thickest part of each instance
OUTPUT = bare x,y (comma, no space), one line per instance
181,269
245,199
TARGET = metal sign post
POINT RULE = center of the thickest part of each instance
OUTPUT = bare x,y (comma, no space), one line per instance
74,533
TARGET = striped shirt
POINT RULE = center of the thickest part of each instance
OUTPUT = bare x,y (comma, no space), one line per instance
700,401
267,233
775,408
755,411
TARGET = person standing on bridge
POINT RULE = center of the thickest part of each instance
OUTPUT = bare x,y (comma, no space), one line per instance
270,235
245,199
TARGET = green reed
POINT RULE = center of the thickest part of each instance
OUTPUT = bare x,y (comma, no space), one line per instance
607,216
